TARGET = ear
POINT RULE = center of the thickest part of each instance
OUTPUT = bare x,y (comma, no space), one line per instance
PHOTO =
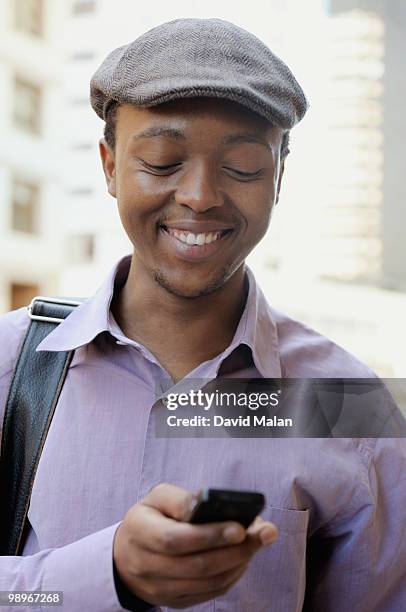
109,166
280,181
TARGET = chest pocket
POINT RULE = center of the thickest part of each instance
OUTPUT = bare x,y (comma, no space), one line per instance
276,577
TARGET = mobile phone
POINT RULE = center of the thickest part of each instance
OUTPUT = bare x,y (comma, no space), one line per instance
216,505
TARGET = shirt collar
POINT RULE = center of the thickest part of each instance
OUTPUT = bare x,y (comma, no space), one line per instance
89,319
256,328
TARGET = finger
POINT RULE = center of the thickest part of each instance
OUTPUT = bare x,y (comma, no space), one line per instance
171,500
188,592
225,583
204,564
157,533
263,532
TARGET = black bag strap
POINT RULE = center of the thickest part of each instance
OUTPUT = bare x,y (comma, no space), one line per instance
37,382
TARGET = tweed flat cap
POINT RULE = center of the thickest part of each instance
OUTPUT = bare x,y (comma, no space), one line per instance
189,58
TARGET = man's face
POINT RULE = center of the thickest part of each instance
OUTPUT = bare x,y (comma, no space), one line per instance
195,182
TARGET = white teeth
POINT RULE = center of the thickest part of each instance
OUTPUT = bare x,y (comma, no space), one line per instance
212,237
194,239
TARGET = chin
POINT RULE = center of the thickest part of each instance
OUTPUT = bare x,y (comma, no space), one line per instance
181,288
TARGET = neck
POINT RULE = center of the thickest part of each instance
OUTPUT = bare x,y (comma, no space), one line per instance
195,329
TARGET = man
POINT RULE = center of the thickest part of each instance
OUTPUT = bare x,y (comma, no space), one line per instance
197,115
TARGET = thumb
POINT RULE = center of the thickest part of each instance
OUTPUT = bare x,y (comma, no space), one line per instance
263,532
171,500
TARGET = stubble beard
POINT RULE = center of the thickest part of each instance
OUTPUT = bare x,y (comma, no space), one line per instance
222,277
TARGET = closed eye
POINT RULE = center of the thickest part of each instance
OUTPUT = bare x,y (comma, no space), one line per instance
169,168
245,175
163,167
159,169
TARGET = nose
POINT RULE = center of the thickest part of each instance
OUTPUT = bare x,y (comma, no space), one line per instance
198,189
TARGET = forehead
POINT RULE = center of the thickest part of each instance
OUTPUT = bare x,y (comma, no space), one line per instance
185,115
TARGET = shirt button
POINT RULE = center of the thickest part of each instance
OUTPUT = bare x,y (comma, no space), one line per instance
120,343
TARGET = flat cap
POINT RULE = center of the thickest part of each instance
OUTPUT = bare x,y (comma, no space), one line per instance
189,58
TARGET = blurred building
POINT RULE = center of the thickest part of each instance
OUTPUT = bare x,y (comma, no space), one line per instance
337,259
30,187
334,257
351,247
93,238
59,231
365,216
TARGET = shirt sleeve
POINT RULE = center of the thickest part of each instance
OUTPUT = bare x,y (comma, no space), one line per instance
82,570
360,563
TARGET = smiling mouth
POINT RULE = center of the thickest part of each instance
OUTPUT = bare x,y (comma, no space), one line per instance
195,239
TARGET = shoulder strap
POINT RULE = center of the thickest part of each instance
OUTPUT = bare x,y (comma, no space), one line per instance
37,382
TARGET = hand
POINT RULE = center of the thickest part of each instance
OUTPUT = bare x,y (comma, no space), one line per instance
167,562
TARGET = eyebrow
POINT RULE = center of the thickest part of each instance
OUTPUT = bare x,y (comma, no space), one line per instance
246,137
153,132
175,134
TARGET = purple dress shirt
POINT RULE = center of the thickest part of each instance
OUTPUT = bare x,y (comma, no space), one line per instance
339,504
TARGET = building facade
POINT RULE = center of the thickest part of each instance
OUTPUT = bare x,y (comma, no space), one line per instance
334,256
368,129
30,185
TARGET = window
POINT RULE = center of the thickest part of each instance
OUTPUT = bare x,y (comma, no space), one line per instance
27,106
21,295
81,7
81,191
82,146
25,204
80,101
29,16
80,248
82,56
